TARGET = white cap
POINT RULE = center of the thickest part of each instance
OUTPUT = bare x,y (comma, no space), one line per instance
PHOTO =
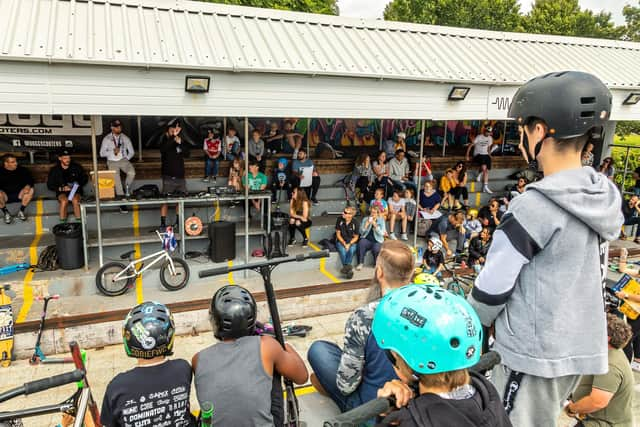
401,135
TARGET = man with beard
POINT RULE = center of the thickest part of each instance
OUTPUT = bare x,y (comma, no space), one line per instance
67,178
352,375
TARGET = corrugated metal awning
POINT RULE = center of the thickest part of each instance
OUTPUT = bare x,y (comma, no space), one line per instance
205,36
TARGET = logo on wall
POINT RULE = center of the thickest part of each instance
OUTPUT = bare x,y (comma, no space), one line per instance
502,103
45,132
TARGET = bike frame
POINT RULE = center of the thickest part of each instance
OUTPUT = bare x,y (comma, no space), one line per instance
160,255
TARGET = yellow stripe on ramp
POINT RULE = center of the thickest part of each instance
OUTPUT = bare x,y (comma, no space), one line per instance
138,254
323,263
33,259
472,187
230,275
216,215
478,199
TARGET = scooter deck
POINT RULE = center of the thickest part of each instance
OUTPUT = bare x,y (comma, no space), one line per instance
6,329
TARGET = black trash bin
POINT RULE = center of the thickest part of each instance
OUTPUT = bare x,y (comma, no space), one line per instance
69,245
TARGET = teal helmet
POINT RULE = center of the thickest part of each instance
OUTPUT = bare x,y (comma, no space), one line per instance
433,330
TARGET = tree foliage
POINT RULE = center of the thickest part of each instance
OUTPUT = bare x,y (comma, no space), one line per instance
499,15
632,18
328,7
626,128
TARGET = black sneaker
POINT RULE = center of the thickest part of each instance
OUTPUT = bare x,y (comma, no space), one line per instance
349,273
291,241
305,243
124,209
315,201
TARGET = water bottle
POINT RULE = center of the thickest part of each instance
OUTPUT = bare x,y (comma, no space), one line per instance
206,414
126,191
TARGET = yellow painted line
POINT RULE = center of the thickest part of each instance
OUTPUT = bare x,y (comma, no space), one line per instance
478,199
472,187
302,391
138,254
33,259
230,275
323,265
216,215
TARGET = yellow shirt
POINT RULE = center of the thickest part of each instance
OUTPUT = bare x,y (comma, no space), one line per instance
445,184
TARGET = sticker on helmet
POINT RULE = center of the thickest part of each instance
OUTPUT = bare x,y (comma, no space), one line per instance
470,352
413,317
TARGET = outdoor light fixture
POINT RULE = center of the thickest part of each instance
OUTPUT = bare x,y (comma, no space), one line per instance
458,93
196,84
632,99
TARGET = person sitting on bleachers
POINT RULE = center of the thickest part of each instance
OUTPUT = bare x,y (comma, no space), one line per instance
447,184
347,236
515,190
472,225
16,186
446,223
67,178
479,248
299,216
301,166
631,213
381,171
212,147
372,234
363,176
410,207
433,258
117,148
380,203
607,168
460,180
490,215
236,173
429,202
424,169
274,139
257,149
280,180
397,212
399,171
232,145
255,181
351,375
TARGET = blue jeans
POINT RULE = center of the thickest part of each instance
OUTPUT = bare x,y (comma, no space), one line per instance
211,167
634,220
346,256
324,358
366,245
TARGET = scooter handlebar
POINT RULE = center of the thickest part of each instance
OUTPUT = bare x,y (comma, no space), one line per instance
51,382
298,258
42,298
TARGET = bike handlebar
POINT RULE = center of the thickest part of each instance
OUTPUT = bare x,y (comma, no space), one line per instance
382,405
298,258
43,384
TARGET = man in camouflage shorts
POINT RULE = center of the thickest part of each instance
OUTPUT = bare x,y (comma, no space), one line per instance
352,376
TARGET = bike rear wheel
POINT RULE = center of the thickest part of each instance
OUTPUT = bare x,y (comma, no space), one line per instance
105,279
174,282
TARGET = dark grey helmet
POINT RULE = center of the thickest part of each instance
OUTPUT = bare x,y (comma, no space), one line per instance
571,103
233,312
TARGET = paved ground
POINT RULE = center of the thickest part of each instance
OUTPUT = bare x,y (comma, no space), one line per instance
105,363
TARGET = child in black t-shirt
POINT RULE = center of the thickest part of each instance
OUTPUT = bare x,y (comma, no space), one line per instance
433,258
155,392
280,180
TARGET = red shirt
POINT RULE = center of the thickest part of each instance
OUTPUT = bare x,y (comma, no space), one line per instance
213,147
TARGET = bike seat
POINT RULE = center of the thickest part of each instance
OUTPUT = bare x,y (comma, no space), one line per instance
127,255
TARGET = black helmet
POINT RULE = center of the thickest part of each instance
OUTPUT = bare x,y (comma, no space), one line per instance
233,312
148,331
571,103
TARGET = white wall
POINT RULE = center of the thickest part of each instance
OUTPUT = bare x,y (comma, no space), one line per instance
81,89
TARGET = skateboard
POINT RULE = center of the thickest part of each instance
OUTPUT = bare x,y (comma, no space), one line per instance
6,327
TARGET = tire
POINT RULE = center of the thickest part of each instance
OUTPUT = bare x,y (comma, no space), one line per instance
174,283
104,283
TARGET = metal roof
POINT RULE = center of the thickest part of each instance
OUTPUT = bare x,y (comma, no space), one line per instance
206,36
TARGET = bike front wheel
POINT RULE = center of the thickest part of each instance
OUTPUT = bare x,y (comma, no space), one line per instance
107,283
174,282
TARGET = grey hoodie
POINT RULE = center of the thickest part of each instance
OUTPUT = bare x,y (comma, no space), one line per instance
542,283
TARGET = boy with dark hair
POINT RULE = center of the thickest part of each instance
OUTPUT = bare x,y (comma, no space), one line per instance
300,167
16,185
432,337
535,265
156,391
238,373
257,149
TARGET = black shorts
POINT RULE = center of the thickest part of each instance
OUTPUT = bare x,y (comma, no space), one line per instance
482,159
173,185
12,197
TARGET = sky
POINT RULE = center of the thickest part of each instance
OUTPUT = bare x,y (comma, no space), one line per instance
374,8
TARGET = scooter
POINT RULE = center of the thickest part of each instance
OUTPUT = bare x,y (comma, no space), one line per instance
38,355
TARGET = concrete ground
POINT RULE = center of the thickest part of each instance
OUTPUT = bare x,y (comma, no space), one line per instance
104,364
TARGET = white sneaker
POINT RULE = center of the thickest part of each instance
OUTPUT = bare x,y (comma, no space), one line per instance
486,189
392,236
635,366
359,267
403,236
205,179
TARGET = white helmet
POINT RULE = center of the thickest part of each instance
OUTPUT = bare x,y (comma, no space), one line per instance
437,244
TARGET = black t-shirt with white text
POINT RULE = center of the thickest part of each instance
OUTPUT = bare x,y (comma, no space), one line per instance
347,231
155,396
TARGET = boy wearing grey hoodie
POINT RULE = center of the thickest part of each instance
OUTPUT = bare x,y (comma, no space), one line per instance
542,284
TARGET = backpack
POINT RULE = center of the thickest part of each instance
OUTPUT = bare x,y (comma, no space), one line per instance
423,226
275,243
48,259
147,191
